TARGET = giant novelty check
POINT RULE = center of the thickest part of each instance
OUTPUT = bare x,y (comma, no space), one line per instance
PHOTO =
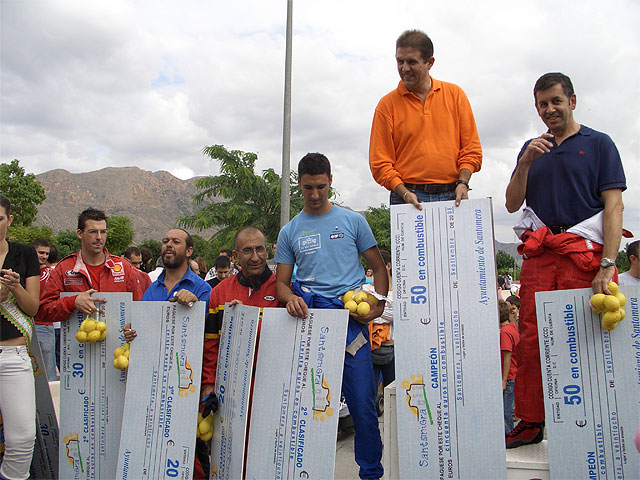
449,400
45,454
591,380
233,387
296,399
163,390
92,394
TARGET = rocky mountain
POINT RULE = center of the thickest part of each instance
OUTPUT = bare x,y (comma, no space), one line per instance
511,249
152,200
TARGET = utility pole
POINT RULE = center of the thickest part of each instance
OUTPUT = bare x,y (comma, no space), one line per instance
285,193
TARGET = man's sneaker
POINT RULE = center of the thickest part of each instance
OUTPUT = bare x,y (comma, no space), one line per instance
525,433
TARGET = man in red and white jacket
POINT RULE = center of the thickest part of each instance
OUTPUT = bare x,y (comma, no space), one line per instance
90,270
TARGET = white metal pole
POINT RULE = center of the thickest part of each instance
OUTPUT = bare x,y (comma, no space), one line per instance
285,193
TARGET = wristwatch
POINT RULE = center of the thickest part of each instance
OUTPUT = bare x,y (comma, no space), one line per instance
464,182
607,262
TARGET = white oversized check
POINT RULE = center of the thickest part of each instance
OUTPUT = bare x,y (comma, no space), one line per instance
591,380
233,388
449,396
91,394
45,454
163,390
296,399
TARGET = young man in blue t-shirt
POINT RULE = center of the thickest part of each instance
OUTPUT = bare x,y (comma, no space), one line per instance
571,177
325,242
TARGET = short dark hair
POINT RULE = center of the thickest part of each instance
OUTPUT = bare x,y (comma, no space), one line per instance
513,300
548,80
314,164
504,310
146,255
227,251
53,254
40,242
90,214
386,256
416,39
222,262
6,204
248,228
131,251
632,249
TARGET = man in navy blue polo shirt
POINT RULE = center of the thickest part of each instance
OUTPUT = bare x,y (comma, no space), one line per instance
572,179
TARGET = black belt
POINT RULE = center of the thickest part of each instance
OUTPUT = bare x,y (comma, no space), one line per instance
556,229
432,187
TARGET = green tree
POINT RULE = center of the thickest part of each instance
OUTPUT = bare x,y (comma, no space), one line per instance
203,248
23,191
67,242
505,262
120,234
247,198
622,262
379,219
154,245
26,235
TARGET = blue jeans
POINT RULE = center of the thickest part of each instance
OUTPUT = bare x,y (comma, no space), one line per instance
359,390
47,341
395,199
57,332
507,399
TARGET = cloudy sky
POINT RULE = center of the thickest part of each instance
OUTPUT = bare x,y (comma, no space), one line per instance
86,85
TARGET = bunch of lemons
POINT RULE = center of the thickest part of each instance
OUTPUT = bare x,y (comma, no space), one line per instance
91,331
609,306
205,427
121,357
354,302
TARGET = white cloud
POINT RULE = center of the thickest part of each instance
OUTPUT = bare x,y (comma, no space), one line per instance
92,84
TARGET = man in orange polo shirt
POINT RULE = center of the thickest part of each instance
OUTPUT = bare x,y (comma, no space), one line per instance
424,143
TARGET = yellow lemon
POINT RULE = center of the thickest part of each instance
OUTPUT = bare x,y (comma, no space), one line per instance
360,296
348,296
371,298
609,324
115,363
81,336
127,345
621,298
622,313
126,352
363,309
101,326
597,302
351,306
611,316
93,336
103,335
117,352
209,419
89,325
204,428
611,303
206,437
613,288
123,362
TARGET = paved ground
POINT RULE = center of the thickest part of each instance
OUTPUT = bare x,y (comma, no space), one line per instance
345,466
